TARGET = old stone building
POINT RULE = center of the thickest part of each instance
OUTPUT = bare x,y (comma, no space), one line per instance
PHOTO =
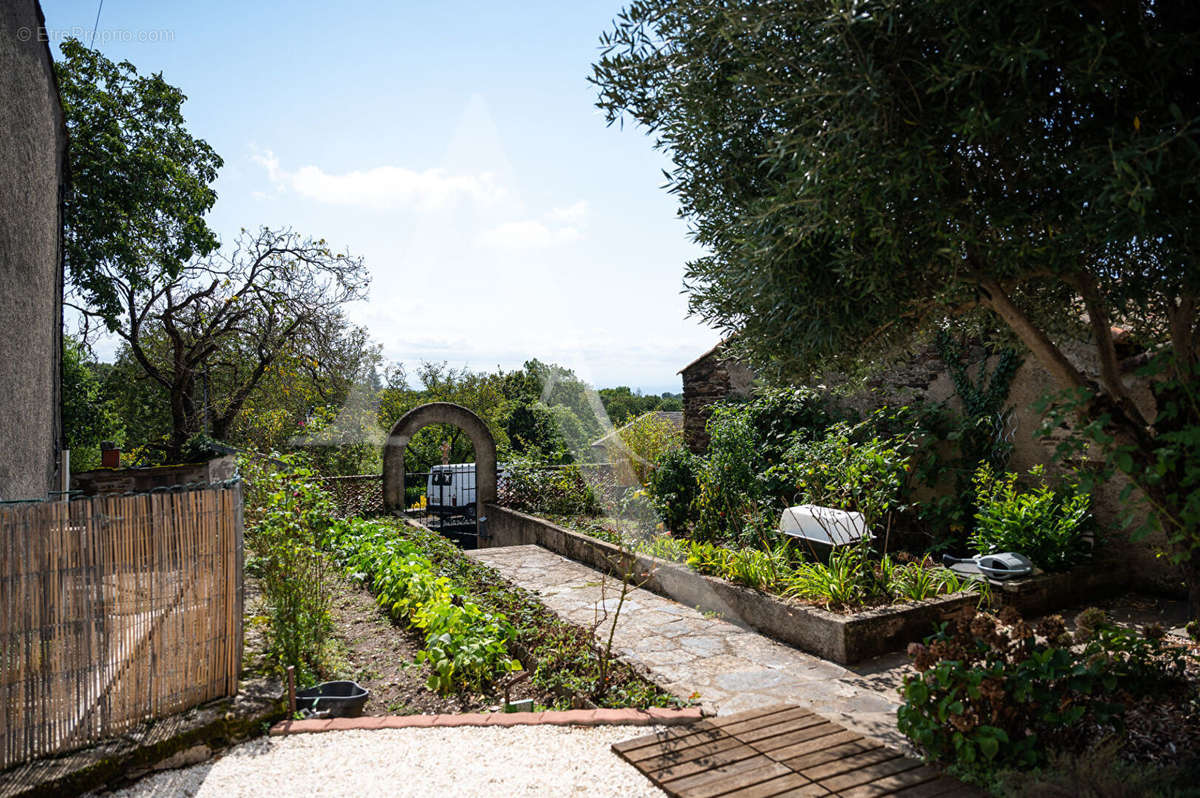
33,147
713,377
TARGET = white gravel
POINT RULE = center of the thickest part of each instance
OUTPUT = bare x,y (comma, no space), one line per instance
472,761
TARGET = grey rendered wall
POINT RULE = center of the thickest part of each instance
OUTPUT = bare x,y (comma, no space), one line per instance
32,151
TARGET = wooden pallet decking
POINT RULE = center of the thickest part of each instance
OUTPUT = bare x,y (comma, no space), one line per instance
780,750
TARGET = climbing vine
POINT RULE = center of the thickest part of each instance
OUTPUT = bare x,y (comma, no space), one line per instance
982,436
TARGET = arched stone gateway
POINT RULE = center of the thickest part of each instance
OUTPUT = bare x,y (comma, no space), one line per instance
439,413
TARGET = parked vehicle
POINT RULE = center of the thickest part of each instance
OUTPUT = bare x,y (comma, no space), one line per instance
450,489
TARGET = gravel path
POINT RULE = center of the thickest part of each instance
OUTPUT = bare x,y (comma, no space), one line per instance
472,761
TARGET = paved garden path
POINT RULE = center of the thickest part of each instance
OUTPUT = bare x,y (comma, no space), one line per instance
692,653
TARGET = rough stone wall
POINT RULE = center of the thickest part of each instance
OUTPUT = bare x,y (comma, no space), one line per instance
925,376
707,381
141,480
32,153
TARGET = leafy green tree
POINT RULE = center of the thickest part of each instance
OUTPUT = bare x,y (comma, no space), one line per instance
862,172
140,182
89,417
222,322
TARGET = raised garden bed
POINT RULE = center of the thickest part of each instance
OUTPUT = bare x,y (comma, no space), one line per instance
843,638
1042,593
561,658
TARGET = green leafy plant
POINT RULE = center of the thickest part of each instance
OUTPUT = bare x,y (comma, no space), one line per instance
852,467
994,692
465,645
1045,523
673,486
563,657
292,516
559,490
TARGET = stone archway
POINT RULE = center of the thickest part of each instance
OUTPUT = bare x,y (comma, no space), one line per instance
439,413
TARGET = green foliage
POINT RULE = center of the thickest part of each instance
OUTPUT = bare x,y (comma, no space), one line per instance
568,663
728,493
640,443
465,645
993,694
851,579
533,431
850,467
673,487
623,405
88,416
1044,523
141,184
291,516
855,187
561,490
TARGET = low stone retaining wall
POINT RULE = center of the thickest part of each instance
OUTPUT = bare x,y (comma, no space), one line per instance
841,638
1048,592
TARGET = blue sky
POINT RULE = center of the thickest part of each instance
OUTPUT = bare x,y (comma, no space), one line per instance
456,146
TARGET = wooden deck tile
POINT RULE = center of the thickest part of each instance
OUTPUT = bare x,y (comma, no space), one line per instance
780,731
823,755
815,737
855,762
869,774
891,784
670,758
793,785
749,714
780,751
801,733
675,744
741,728
726,756
658,737
726,778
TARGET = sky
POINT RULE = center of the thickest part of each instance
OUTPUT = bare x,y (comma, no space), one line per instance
457,148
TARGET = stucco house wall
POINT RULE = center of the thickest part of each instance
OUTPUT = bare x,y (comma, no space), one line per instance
32,167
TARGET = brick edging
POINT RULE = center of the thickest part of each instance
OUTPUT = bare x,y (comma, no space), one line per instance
572,717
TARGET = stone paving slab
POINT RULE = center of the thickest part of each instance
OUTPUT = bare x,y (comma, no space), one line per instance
696,655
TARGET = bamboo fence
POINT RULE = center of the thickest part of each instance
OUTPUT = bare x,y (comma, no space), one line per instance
115,610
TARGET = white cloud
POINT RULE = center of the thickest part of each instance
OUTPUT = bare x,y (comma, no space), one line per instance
528,234
572,214
557,226
385,186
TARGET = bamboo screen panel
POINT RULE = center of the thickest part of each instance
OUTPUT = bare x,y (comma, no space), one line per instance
115,610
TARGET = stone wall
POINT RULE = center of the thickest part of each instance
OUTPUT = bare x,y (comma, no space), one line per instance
710,379
925,376
141,480
32,165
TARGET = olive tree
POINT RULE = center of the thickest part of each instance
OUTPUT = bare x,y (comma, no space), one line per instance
863,171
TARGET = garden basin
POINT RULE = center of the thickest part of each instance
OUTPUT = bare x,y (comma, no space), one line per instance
340,699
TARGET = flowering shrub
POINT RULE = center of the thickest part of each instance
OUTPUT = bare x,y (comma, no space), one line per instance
993,692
